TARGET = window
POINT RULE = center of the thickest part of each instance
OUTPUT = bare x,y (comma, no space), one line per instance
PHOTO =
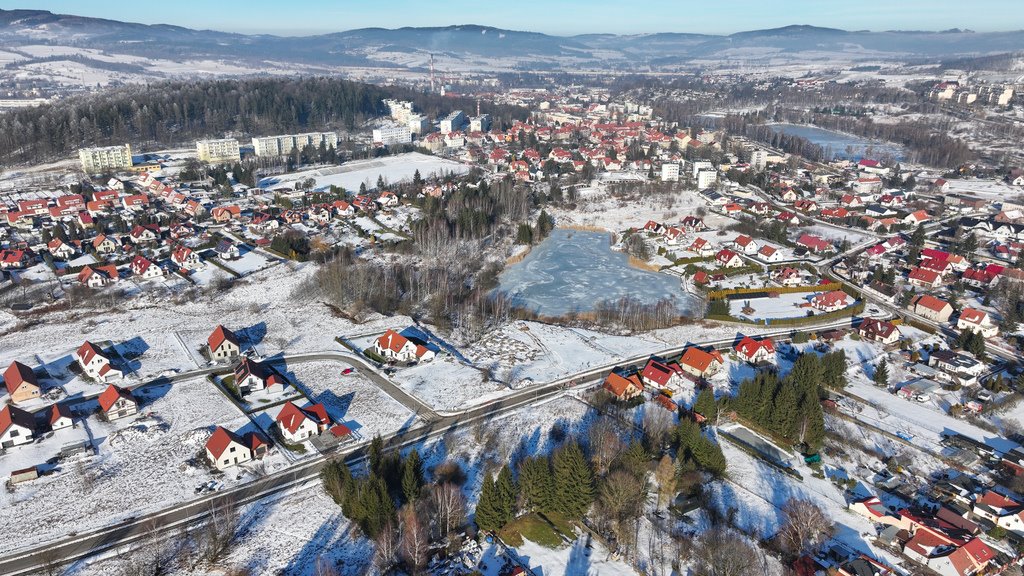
232,449
14,433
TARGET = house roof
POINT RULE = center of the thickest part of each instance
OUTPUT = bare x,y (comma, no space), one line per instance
618,385
16,374
877,328
393,341
58,411
219,335
12,415
113,394
658,372
220,440
700,359
973,316
930,302
88,351
922,275
748,347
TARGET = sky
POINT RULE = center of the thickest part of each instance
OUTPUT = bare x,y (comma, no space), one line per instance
562,17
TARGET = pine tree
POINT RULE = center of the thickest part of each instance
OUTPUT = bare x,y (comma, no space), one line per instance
705,403
574,481
634,459
834,369
537,485
919,236
812,427
507,494
784,415
881,377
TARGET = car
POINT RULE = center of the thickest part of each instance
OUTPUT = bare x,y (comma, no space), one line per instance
348,371
922,397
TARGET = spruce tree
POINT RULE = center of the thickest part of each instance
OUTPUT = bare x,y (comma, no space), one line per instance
881,377
488,515
375,453
507,494
537,485
834,369
574,481
412,476
705,403
784,416
813,424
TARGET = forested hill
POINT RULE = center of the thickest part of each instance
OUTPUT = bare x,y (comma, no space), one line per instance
177,113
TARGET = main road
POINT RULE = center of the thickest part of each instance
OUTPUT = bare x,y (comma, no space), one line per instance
135,530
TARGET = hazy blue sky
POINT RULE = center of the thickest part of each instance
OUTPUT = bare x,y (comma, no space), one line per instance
297,17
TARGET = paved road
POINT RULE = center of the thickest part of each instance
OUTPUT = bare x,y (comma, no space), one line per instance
128,533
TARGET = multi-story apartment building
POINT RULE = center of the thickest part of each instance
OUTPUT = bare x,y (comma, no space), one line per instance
480,123
95,160
284,144
453,122
391,134
218,151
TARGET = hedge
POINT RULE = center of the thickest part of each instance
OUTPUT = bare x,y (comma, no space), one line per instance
718,294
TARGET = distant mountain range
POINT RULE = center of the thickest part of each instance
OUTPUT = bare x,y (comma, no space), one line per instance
472,47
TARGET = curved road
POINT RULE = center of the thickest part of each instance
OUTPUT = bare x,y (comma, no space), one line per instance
131,531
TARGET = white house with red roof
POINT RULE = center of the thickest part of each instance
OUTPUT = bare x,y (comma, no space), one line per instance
143,268
755,351
769,254
726,258
185,257
701,247
661,374
104,244
699,362
16,427
95,364
880,331
223,344
59,416
1000,510
977,321
814,243
916,217
116,402
299,424
142,234
931,307
11,259
99,276
746,244
397,348
831,301
226,449
60,249
252,376
623,387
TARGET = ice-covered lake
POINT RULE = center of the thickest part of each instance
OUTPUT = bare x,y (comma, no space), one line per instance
571,271
841,145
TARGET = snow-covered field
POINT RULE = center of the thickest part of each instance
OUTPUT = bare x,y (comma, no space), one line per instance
783,306
351,174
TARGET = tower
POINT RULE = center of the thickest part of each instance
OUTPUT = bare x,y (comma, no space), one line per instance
431,72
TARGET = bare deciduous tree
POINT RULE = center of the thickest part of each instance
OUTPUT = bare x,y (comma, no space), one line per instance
449,507
658,423
621,499
605,444
219,532
414,541
805,526
723,552
386,552
665,476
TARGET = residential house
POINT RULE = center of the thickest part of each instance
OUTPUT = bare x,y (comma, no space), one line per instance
222,214
726,258
225,449
660,374
755,351
298,424
814,243
95,364
977,321
21,382
252,376
787,276
17,427
701,363
12,259
917,217
143,268
962,368
184,257
59,416
880,331
60,249
104,244
394,347
99,276
701,247
227,250
223,344
931,307
769,254
830,301
1000,511
623,387
924,278
144,234
116,402
746,244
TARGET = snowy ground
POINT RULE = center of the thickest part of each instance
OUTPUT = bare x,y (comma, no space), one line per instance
783,306
351,174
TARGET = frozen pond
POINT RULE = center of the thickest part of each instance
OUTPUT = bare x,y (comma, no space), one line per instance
571,271
840,145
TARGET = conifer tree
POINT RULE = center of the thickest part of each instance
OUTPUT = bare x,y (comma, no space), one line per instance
375,454
881,377
507,494
574,481
488,515
412,476
537,485
705,403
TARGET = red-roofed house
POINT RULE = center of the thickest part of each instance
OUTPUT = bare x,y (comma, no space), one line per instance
12,259
755,351
143,268
59,416
95,363
225,449
297,424
814,243
184,257
831,301
977,321
746,244
915,218
701,247
623,387
395,347
98,277
726,258
251,376
924,278
661,374
21,382
16,427
116,402
879,331
223,344
931,307
701,363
